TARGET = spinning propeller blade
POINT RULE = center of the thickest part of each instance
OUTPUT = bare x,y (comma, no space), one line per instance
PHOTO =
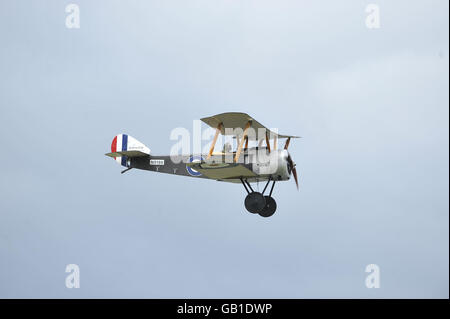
294,172
293,169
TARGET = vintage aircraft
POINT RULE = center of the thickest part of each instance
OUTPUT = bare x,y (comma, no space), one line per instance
245,165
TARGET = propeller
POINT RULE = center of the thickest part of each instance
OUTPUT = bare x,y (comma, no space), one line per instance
293,170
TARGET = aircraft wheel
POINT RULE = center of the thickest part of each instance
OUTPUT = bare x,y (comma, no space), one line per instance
255,202
270,208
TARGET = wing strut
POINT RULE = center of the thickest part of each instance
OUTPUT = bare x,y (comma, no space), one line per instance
267,141
218,129
241,142
287,143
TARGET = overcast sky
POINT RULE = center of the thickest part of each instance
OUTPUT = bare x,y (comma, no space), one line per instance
372,106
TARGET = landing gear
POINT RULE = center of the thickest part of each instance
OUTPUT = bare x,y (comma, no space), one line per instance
270,208
257,203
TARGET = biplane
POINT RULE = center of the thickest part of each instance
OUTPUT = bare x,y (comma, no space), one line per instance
263,162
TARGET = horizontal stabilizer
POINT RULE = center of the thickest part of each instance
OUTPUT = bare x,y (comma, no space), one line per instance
127,153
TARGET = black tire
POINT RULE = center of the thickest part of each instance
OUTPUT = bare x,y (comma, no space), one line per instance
270,208
255,202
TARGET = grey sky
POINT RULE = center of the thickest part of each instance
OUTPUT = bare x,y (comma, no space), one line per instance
371,104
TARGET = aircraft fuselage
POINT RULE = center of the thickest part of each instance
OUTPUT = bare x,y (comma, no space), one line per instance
259,161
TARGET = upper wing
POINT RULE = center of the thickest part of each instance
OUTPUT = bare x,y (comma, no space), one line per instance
222,170
239,120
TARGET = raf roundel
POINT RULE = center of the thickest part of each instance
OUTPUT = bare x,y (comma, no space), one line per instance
193,159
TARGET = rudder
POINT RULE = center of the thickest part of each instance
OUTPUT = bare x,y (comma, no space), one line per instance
124,146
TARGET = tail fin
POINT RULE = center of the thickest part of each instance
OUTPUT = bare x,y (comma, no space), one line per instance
124,146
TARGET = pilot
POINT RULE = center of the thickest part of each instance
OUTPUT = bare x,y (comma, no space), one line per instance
226,148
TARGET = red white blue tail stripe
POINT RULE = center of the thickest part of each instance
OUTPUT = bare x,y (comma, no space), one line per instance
120,143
